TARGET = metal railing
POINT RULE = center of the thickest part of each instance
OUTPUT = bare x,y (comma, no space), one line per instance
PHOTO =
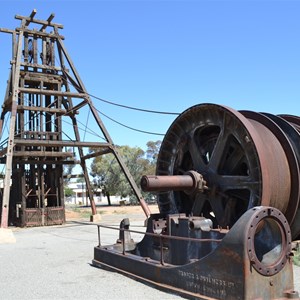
161,237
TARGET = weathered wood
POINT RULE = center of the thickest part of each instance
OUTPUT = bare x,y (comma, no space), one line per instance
9,154
33,13
5,30
34,78
80,105
42,109
124,168
51,93
25,154
41,161
39,66
31,33
14,53
40,96
35,50
37,133
25,51
37,21
8,101
52,143
48,20
98,153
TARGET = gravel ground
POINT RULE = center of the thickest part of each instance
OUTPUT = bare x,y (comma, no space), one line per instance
55,263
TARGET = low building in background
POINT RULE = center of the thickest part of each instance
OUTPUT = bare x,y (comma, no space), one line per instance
80,197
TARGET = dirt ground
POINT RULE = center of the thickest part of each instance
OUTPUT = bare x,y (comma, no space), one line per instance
75,212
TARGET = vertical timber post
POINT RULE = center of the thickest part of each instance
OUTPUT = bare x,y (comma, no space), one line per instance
10,146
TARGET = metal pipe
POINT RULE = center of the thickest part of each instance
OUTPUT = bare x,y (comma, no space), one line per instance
162,262
189,183
99,237
165,183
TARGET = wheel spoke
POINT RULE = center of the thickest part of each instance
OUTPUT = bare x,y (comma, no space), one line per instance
237,183
218,152
200,200
199,164
234,162
217,208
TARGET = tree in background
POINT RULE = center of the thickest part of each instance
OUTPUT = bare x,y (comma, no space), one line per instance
152,154
108,175
68,192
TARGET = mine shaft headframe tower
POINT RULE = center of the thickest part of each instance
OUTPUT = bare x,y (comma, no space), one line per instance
44,89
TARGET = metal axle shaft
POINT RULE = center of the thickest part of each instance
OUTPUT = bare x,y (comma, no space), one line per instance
190,182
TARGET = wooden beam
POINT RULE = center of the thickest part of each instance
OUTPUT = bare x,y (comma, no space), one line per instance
5,30
33,13
43,162
49,143
10,144
36,77
44,109
7,101
41,154
41,22
44,133
32,33
52,93
51,17
98,153
38,66
78,106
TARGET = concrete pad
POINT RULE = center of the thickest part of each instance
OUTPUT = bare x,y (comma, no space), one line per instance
95,218
7,236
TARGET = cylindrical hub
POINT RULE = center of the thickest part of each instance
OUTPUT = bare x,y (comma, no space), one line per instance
166,183
189,183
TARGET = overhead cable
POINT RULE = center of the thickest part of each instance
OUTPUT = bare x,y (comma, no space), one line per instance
122,105
134,129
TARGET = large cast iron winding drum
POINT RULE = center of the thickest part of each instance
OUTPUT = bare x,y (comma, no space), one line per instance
246,158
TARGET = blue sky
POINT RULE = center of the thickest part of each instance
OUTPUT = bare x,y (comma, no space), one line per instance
170,55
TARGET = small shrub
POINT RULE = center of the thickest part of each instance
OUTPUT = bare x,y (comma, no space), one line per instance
296,252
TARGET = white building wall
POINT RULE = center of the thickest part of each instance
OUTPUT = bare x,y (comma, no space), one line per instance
80,198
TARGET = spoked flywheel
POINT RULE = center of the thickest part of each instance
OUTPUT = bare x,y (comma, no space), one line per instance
242,160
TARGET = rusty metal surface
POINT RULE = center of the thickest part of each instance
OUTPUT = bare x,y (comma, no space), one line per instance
166,183
286,169
294,120
251,261
246,158
294,138
223,146
191,182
